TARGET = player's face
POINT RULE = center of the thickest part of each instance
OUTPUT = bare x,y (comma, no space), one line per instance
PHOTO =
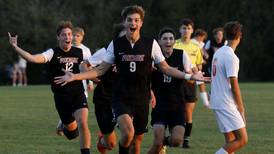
219,36
167,41
186,31
65,39
77,38
133,24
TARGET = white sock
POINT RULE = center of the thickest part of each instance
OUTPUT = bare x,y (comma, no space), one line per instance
221,151
204,98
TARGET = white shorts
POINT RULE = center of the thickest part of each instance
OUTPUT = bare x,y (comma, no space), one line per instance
229,120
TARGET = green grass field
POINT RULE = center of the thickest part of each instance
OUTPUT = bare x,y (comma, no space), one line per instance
28,119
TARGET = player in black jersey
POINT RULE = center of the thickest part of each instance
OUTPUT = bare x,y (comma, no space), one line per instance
169,109
70,100
102,97
133,56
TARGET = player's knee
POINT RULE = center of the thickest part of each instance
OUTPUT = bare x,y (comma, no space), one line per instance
175,142
82,125
71,134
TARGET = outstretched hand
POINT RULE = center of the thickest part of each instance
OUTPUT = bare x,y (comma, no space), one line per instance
63,80
13,40
199,77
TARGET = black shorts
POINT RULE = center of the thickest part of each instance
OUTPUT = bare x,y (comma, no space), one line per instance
168,115
190,92
67,104
138,110
104,116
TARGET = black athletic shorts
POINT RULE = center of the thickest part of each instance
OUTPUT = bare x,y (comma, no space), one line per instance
138,110
67,104
168,115
190,92
104,115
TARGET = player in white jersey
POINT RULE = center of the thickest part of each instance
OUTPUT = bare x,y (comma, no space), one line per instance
226,99
78,36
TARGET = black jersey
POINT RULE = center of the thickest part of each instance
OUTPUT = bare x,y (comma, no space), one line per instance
133,69
104,88
166,87
69,61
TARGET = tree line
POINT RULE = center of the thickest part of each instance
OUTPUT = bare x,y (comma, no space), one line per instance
35,22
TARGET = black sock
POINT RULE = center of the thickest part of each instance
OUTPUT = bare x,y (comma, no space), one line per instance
188,131
85,151
166,141
123,150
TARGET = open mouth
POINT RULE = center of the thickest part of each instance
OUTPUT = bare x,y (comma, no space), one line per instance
67,42
132,29
168,46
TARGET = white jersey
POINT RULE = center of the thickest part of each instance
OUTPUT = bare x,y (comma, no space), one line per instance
156,54
86,50
200,44
225,64
97,57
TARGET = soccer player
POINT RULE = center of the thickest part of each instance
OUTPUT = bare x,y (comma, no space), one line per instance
195,55
133,56
169,109
78,36
198,38
70,100
226,99
102,98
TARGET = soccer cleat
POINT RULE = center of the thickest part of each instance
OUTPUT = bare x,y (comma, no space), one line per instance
163,150
100,146
59,128
186,144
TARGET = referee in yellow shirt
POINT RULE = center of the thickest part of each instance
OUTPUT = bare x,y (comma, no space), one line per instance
195,55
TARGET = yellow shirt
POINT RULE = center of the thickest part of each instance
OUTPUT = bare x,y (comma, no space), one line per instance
193,50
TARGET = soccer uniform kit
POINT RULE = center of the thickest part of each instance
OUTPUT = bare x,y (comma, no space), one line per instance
132,84
103,94
195,55
225,64
70,97
87,53
169,93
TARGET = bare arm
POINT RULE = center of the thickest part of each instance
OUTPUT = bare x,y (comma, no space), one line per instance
84,66
166,69
37,58
91,74
237,95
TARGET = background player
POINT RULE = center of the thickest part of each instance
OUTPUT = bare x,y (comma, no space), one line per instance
169,93
195,55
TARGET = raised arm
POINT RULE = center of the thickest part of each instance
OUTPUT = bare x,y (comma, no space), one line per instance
37,58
